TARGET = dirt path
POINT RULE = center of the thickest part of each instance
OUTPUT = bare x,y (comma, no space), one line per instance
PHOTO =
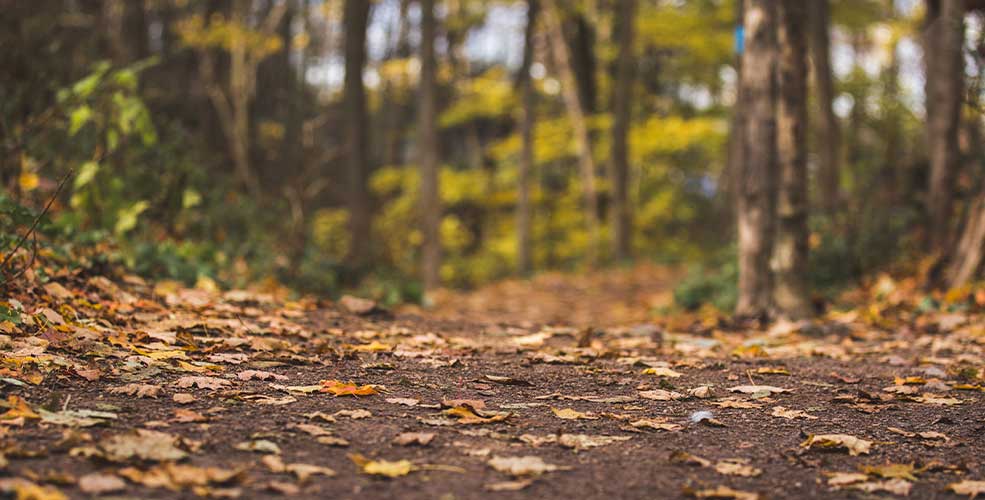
183,411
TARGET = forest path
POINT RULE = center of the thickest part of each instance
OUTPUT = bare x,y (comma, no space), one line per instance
145,391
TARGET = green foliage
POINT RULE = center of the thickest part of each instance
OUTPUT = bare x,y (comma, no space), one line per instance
711,283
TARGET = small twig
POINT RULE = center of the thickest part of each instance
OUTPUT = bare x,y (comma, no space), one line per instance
34,225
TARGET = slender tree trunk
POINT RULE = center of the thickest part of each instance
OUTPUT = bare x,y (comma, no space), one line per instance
622,98
526,125
945,84
966,258
576,114
730,176
757,172
427,143
356,20
790,294
829,132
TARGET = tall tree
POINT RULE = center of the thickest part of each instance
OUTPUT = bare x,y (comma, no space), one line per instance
527,122
356,20
944,91
790,293
622,98
829,133
427,144
576,115
757,169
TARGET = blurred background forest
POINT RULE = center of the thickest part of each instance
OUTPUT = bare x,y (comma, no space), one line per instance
348,144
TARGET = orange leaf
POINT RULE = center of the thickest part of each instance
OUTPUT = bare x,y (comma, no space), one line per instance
339,388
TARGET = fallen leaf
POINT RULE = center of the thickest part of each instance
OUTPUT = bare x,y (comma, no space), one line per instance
99,484
76,418
305,471
523,466
259,375
685,458
571,414
737,467
779,411
580,442
509,485
382,467
468,415
183,398
357,305
722,492
338,388
506,380
968,487
661,371
353,414
404,401
414,438
895,486
138,390
758,389
655,424
143,444
214,383
661,395
854,445
259,446
891,471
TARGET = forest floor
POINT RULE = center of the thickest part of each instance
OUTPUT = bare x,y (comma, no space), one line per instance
561,387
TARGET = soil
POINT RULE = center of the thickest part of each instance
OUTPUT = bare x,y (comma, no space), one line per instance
837,372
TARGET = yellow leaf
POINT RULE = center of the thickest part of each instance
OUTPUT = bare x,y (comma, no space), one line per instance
570,414
468,415
28,181
661,371
382,467
18,409
339,388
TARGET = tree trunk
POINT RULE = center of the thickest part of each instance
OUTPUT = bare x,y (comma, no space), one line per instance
356,20
790,294
944,89
576,114
526,125
622,98
427,143
967,255
757,169
829,132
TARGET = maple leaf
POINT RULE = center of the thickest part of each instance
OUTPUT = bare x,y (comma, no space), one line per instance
339,388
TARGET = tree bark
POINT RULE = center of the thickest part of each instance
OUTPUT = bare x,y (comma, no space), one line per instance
427,143
576,114
356,20
526,125
829,132
944,90
790,294
622,98
757,169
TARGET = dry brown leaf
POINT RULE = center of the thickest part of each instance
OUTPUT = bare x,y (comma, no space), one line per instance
382,467
854,445
779,411
968,487
99,484
138,390
414,438
737,467
214,383
523,466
